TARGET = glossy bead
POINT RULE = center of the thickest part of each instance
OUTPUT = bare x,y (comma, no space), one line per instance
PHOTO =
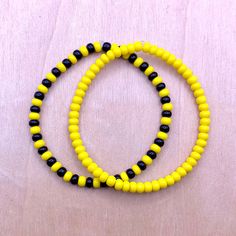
35,109
33,123
119,184
151,154
164,128
111,180
160,86
147,160
51,161
37,137
143,66
67,63
159,142
39,95
130,173
152,76
90,47
154,147
166,114
56,72
61,172
77,54
89,182
67,177
141,165
165,99
74,179
42,150
106,46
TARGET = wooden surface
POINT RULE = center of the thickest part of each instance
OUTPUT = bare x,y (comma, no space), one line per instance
119,118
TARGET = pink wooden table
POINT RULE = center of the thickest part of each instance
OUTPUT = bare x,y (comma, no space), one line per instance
119,117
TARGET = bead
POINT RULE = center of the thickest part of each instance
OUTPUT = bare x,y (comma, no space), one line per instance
152,76
106,46
138,46
117,176
56,166
132,187
143,66
160,86
61,67
162,135
195,155
82,181
147,187
84,51
124,50
165,99
155,186
51,77
61,172
92,167
110,55
159,52
97,46
124,176
146,46
165,121
42,150
201,143
187,74
111,180
56,72
201,100
78,55
33,123
187,166
35,109
51,161
35,130
136,169
90,48
167,107
105,58
89,182
119,184
177,63
37,137
198,92
166,114
191,80
140,187
86,162
147,160
74,179
94,68
191,161
67,63
96,183
203,107
103,177
154,147
198,149
203,128
195,86
130,173
204,114
205,121
181,171
162,182
149,70
182,69
157,81
43,89
97,172
164,92
131,48
159,142
38,144
82,155
138,62
164,128
141,165
170,180
46,155
126,186
176,176
203,136
151,153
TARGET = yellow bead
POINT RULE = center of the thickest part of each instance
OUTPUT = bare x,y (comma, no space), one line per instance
187,74
77,143
46,155
72,59
203,107
97,46
165,56
124,176
74,136
149,70
198,149
165,120
38,144
191,161
187,166
117,52
35,130
61,67
43,89
201,143
86,80
147,187
182,69
160,52
155,186
34,116
131,48
157,80
73,128
84,51
167,107
176,176
203,136
153,50
82,156
126,186
73,114
140,187
83,86
164,92
80,149
177,64
195,155
192,79
92,167
110,55
147,160
90,74
162,135
82,181
171,59
68,175
170,180
74,107
138,62
96,183
124,50
204,114
87,161
146,47
162,182
111,180
105,58
50,76
136,169
94,68
181,171
205,121
138,46
201,100
154,147
203,128
97,172
56,166
100,63
132,187
103,177
119,184
80,93
195,86
198,92
37,102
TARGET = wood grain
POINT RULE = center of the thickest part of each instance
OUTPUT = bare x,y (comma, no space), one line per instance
119,118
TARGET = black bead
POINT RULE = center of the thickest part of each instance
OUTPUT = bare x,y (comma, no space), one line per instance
89,182
165,99
103,185
106,46
51,161
152,76
56,72
143,66
61,172
67,63
37,137
74,179
166,113
47,83
77,54
35,109
151,154
164,128
42,150
39,95
141,165
33,123
160,86
130,173
132,58
117,176
159,142
90,48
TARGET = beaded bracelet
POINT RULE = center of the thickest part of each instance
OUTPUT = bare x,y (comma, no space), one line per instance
77,100
123,182
119,184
